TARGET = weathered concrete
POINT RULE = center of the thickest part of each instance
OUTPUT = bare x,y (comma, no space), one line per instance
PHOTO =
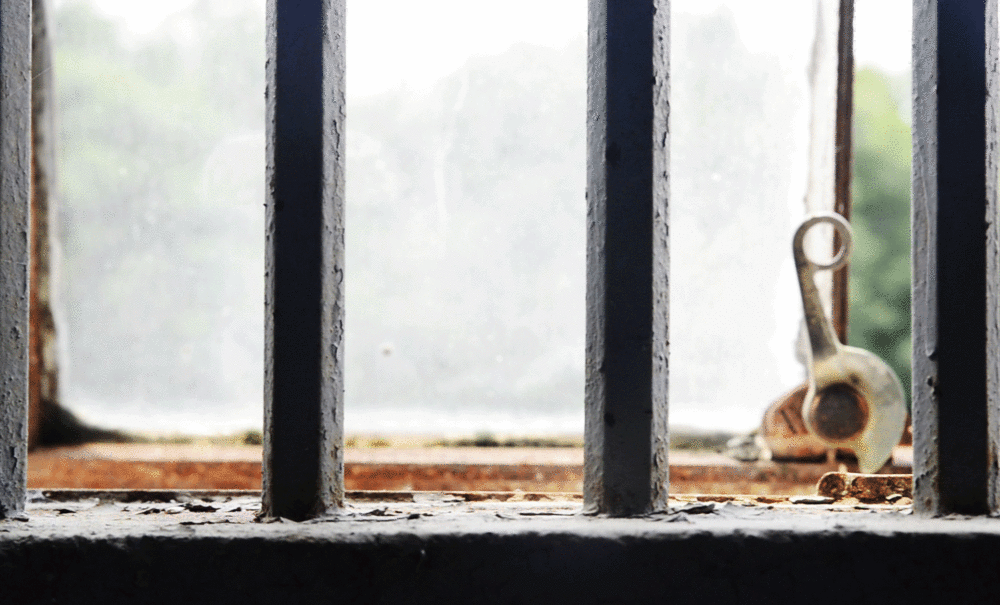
625,460
444,550
304,266
954,224
15,162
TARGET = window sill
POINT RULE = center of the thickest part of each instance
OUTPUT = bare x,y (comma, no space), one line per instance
435,547
165,466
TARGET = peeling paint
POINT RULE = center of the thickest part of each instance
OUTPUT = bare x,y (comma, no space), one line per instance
15,108
627,257
304,389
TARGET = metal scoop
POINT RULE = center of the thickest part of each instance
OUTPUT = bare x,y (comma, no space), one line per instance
854,399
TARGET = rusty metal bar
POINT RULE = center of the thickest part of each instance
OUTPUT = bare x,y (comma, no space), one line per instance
304,266
15,162
954,222
842,159
625,442
43,368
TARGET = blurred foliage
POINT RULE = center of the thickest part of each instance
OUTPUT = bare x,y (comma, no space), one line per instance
162,233
880,269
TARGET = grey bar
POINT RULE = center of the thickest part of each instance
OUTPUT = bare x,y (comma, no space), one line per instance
954,216
15,162
992,254
304,300
625,440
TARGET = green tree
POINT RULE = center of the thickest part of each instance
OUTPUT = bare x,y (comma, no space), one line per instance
880,270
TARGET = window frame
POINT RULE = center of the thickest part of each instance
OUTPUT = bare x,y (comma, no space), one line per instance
956,285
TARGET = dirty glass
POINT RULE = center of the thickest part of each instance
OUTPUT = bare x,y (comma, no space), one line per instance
465,218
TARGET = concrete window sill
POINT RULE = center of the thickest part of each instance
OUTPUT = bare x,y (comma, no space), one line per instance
515,547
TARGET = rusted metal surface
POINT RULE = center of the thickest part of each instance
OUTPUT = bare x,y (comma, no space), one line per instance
625,433
304,264
15,162
854,399
787,438
955,257
866,488
445,469
784,431
841,413
842,160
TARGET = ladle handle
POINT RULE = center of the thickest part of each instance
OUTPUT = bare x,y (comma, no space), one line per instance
822,339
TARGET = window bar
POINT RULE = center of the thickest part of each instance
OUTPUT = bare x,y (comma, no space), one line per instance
955,257
304,267
625,440
15,143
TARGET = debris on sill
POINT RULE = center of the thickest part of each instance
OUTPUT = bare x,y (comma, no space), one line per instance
888,489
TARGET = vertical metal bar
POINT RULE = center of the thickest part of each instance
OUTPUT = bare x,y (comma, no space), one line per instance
992,254
842,158
955,457
626,441
15,162
303,383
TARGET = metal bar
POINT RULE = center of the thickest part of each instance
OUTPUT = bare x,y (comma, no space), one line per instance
992,254
15,162
626,441
303,382
842,159
954,297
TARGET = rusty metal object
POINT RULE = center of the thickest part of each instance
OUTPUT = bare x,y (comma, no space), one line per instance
785,433
854,398
866,488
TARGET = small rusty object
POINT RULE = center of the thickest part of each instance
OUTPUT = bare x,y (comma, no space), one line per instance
866,488
854,400
841,412
785,432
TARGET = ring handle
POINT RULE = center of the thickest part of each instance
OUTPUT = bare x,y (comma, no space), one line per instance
846,238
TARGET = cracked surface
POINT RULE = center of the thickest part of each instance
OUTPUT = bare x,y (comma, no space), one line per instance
220,513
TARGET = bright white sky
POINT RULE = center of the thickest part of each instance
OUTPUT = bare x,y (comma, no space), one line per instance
425,40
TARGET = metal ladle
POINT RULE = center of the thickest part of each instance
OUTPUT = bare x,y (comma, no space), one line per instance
854,399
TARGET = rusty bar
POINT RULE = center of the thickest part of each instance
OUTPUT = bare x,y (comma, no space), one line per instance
15,162
43,369
304,266
625,446
842,158
954,296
